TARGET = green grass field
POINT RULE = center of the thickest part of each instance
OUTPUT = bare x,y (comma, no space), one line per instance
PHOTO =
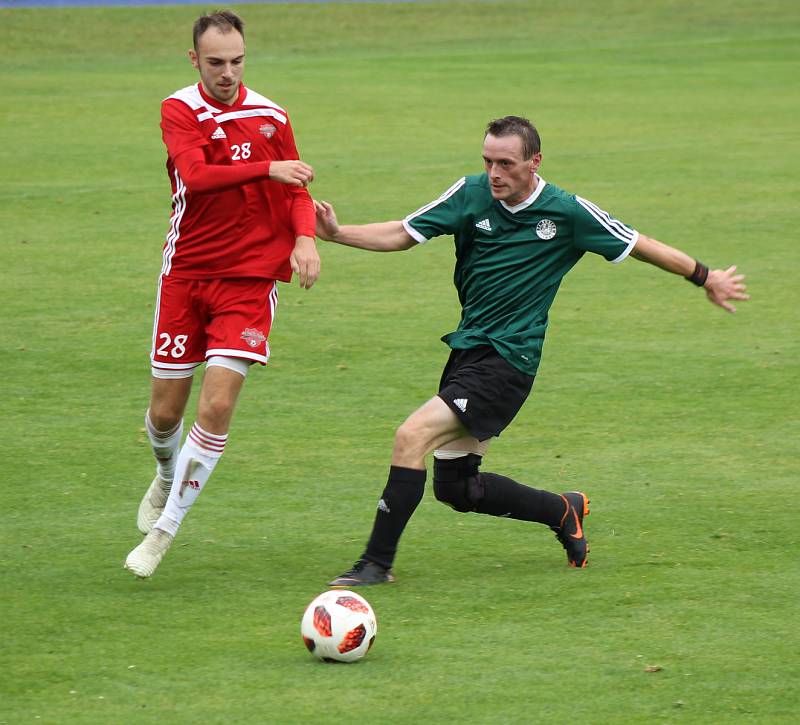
679,420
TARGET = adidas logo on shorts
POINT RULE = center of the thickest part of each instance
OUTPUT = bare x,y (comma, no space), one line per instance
461,404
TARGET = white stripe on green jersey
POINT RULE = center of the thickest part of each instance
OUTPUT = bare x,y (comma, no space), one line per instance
621,231
444,197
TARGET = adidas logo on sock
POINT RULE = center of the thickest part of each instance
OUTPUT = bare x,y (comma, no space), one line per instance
219,133
383,506
461,404
485,225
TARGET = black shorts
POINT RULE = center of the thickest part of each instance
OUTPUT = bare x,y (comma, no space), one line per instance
483,389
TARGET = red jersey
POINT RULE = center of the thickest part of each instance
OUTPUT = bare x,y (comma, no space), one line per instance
228,219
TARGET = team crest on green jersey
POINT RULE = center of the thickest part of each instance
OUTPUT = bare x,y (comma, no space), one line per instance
545,229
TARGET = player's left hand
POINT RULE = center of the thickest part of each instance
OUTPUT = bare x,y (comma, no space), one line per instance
723,285
294,173
305,261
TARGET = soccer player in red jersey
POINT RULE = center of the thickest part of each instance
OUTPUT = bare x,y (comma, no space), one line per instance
242,220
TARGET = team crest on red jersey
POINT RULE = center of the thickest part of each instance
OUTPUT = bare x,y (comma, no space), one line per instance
267,130
252,336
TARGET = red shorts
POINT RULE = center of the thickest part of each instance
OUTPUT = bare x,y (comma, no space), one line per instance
198,318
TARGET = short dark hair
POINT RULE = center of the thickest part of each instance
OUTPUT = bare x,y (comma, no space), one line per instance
517,126
223,20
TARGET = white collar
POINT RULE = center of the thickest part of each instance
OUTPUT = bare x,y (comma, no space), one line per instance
533,197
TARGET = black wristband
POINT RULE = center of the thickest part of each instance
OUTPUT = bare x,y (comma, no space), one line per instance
700,274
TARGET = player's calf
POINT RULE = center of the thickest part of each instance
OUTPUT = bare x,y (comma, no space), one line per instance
458,483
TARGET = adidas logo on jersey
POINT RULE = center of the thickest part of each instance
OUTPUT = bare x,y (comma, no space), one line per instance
219,133
461,404
485,225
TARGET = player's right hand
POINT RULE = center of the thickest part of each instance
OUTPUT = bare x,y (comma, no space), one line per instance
327,223
294,173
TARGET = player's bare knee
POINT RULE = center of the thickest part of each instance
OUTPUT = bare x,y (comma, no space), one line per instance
407,441
216,410
168,397
457,482
164,415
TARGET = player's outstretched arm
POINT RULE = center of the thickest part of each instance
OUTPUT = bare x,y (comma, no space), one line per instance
380,237
721,285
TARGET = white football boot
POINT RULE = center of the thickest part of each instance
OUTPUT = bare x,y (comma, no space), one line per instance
146,557
152,504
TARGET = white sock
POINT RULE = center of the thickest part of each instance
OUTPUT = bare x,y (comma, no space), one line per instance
196,461
165,446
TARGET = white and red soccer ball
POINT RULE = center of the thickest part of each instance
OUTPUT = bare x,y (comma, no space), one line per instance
339,626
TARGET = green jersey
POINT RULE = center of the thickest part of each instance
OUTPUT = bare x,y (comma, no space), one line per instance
510,259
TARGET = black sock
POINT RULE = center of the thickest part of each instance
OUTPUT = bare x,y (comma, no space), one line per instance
399,499
504,497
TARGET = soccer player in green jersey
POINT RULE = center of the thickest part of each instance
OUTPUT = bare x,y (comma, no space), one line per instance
516,236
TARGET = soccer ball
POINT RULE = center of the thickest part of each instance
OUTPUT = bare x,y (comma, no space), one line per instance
339,626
